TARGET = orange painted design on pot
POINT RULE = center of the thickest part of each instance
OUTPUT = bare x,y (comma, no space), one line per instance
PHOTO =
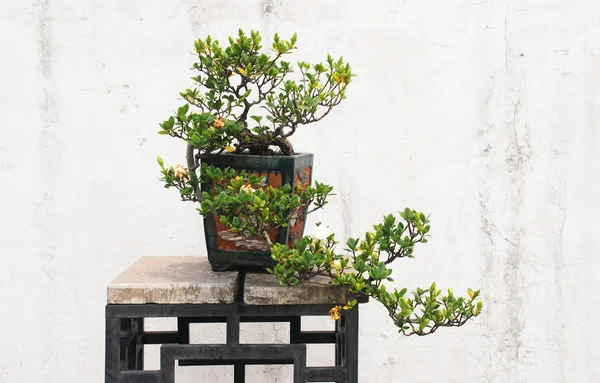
273,179
296,231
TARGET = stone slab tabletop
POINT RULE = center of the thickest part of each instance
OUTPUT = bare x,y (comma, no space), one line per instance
173,280
263,289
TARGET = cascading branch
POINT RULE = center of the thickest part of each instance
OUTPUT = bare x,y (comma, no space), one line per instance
243,202
365,270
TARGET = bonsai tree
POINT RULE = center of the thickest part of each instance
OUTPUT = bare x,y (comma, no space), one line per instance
245,102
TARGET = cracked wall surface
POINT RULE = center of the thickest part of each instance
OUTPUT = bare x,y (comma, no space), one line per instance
483,113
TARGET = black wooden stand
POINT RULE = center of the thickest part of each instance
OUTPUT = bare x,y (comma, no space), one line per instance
126,337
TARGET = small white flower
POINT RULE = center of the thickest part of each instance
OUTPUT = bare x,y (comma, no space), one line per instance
181,172
320,234
248,189
337,264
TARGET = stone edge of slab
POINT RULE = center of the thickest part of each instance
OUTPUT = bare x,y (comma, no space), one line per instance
163,294
257,293
173,293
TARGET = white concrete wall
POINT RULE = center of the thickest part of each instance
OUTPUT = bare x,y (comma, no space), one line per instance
484,113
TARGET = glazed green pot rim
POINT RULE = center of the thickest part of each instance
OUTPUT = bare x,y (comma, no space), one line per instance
246,155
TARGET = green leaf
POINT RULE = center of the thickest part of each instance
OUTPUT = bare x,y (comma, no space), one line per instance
182,110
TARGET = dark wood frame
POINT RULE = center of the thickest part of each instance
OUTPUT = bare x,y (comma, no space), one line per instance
126,337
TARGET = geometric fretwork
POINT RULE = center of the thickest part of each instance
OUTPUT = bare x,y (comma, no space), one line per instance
126,337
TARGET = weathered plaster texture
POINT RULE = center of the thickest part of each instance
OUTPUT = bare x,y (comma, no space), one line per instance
484,113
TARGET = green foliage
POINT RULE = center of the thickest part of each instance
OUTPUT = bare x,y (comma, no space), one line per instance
234,79
181,179
243,202
366,269
308,258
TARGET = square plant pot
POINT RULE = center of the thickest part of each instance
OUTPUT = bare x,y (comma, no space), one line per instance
230,251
